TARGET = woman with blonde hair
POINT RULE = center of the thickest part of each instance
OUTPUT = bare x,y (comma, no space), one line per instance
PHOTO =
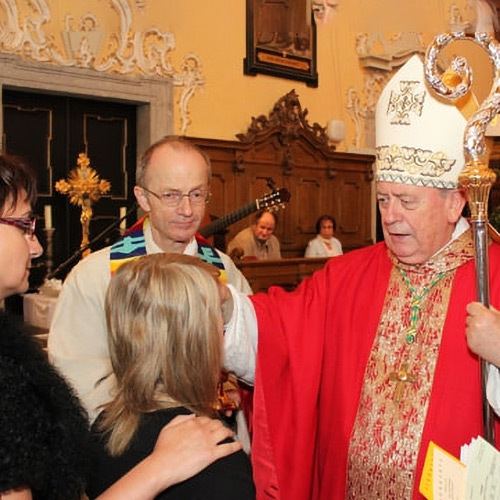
165,339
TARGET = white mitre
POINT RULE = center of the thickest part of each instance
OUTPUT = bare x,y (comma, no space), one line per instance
419,137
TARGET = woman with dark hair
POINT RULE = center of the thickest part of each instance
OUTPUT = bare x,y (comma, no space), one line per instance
43,429
325,244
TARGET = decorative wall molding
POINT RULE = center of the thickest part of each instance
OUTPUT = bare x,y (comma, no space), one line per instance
357,114
379,56
456,19
375,51
361,109
153,96
476,16
87,45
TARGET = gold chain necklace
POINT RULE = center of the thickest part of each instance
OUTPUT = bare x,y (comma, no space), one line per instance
416,302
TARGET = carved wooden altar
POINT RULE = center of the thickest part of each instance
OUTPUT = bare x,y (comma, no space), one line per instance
284,147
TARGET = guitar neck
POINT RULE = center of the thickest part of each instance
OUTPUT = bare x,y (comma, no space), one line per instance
221,223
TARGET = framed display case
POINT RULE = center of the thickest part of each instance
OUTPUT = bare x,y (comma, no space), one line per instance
281,40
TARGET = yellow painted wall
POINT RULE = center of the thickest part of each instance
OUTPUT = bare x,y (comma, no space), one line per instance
214,30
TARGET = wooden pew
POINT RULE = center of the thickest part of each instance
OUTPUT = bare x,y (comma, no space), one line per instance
287,273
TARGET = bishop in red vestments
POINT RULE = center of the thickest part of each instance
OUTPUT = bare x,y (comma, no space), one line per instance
367,362
335,415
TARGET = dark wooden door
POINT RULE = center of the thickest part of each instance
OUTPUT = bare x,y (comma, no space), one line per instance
50,131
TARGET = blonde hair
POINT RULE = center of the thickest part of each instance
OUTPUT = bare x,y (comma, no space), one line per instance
164,320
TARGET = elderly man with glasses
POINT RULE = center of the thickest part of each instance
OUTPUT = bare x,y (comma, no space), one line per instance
173,188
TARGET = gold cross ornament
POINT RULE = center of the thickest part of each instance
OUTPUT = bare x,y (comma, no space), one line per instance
83,188
401,377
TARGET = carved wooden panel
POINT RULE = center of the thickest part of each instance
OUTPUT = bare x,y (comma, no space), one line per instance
105,139
308,193
287,273
285,148
33,124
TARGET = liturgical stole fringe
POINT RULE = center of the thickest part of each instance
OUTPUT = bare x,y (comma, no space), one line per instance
133,245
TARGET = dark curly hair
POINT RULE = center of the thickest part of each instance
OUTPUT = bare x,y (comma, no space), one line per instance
16,176
323,218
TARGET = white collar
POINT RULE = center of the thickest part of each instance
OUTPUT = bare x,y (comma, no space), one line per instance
461,226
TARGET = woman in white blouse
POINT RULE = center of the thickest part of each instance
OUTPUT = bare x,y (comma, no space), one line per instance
324,245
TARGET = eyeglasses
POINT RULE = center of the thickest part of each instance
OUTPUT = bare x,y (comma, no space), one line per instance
25,224
173,198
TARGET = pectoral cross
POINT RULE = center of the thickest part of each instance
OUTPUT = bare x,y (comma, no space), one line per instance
401,377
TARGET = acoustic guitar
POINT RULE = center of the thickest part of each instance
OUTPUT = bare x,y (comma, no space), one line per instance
271,201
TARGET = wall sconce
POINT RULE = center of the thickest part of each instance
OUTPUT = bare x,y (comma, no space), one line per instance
335,130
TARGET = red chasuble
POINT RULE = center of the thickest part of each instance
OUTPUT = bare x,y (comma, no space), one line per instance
314,344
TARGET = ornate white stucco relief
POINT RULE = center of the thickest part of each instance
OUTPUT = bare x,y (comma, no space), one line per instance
87,45
361,109
475,16
376,51
456,19
379,55
357,114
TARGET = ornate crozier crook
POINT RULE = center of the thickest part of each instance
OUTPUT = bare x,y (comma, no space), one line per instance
477,178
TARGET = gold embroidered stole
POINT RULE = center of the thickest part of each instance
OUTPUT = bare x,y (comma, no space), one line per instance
399,375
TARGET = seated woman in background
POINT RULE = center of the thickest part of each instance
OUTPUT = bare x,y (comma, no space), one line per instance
43,429
165,340
324,245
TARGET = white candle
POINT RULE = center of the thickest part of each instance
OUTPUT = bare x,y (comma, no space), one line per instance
123,223
48,217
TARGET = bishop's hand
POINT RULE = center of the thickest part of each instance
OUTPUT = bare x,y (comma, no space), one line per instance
483,331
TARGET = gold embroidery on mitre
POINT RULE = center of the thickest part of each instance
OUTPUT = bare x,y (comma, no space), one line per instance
394,163
401,105
399,377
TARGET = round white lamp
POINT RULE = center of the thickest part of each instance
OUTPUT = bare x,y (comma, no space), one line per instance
335,130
